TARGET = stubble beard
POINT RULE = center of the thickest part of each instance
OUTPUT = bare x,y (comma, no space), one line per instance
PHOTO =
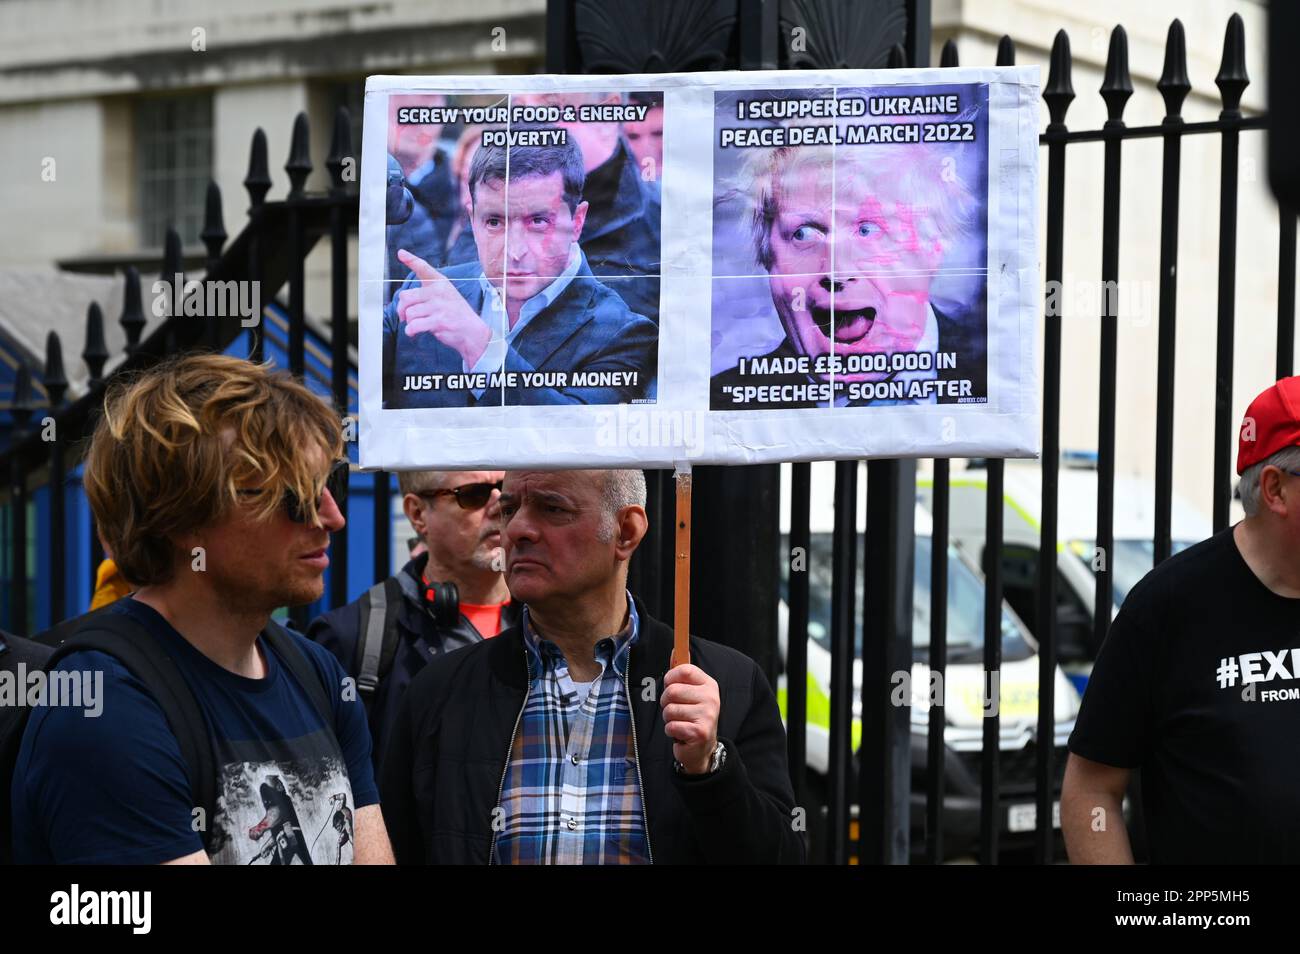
244,595
485,557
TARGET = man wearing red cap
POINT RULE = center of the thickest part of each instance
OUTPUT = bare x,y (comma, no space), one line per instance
1198,682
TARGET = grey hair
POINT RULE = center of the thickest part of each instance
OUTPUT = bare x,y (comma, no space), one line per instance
419,481
620,488
1288,458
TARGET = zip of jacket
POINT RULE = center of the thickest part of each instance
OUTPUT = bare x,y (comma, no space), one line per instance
510,748
636,758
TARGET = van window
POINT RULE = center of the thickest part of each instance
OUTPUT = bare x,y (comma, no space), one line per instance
1133,560
965,612
820,573
965,603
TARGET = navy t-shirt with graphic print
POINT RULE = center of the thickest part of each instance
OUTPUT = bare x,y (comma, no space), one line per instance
1198,685
114,789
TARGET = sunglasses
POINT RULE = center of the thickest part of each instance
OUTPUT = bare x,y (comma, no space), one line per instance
336,482
468,497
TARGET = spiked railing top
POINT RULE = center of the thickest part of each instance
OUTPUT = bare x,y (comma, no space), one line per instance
1006,51
1059,91
299,163
258,180
96,350
1117,86
949,55
897,57
214,226
1232,79
340,149
173,261
132,320
56,381
1174,84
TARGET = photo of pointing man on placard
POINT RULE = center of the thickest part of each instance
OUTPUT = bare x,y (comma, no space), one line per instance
527,323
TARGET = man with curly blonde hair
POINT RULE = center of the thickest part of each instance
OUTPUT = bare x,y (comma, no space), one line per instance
213,481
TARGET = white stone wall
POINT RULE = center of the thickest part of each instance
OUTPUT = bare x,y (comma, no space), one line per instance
52,194
75,48
977,26
71,71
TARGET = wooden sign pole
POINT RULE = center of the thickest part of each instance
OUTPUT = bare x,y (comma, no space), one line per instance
682,570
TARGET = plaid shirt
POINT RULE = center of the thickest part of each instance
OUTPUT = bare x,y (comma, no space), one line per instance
572,794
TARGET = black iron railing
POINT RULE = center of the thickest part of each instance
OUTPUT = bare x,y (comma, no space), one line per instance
879,761
268,254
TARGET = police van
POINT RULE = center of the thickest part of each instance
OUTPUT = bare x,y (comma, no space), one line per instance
1077,553
964,689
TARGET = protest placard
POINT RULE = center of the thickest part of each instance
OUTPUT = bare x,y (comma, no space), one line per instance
710,268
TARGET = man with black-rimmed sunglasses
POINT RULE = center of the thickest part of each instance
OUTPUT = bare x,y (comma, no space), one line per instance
336,482
450,596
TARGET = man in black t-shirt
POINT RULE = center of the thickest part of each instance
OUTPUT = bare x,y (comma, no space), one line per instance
1198,682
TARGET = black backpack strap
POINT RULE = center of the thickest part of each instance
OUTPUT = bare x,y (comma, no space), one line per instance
393,599
147,659
377,640
370,640
302,669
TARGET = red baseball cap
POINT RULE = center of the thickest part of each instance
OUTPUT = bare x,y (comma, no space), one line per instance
1272,423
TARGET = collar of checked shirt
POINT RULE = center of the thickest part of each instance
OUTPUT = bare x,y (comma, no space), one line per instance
545,656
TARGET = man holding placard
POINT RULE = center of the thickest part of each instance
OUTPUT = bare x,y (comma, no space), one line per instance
568,739
527,323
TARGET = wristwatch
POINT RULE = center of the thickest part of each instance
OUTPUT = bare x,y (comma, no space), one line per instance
715,763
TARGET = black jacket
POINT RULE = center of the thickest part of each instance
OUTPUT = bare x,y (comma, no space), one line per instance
425,230
449,745
420,639
621,237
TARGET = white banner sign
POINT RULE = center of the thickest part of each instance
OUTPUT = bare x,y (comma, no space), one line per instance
709,268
